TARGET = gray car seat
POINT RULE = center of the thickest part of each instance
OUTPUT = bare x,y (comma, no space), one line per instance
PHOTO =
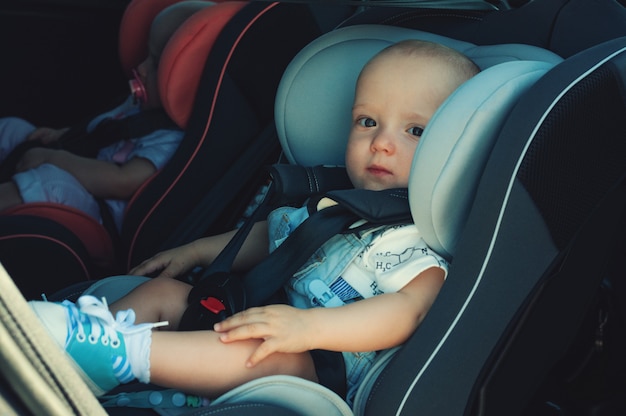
534,234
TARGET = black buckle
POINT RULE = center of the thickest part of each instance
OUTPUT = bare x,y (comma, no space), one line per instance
218,297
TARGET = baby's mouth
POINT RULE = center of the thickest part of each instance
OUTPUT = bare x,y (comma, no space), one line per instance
378,170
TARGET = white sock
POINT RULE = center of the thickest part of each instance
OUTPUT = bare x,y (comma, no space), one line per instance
138,342
138,354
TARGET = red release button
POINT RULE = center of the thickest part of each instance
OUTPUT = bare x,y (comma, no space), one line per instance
213,304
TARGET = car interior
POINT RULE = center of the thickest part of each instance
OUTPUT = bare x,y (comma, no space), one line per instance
518,182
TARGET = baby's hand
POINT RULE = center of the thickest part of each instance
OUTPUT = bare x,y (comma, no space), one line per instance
169,263
282,328
47,135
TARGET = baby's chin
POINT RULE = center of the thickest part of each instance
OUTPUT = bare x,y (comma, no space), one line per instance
376,186
373,183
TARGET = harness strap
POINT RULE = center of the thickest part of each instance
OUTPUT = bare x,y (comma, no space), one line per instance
268,277
112,130
376,207
389,206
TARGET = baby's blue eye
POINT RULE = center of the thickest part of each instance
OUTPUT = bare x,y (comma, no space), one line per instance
416,131
366,122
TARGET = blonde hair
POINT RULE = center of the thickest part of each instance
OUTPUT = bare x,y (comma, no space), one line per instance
461,67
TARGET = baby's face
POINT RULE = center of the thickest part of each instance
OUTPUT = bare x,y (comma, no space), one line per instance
395,98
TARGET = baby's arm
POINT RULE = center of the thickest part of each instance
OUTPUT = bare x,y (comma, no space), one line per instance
380,322
100,178
202,252
47,135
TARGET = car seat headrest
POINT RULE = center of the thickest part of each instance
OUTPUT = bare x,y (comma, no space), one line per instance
314,98
313,116
135,27
183,34
168,21
184,56
135,30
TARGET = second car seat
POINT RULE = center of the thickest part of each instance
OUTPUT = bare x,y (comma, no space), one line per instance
41,229
227,142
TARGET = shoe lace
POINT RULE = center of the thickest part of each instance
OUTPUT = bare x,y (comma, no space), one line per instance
104,327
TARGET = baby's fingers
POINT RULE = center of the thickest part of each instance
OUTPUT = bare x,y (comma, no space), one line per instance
264,350
234,329
248,316
145,268
158,266
266,347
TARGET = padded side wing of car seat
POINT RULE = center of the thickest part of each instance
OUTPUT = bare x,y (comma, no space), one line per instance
523,275
183,59
135,28
93,236
42,255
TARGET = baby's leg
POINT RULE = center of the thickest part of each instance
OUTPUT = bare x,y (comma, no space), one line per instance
198,362
49,183
108,351
158,299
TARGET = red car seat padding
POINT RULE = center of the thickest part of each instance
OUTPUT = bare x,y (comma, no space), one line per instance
135,30
92,234
182,60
